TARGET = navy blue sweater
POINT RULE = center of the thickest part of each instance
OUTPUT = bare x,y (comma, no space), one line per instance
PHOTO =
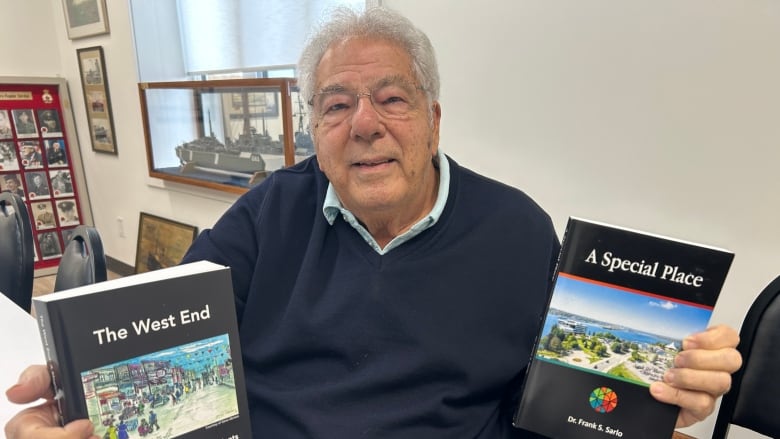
430,340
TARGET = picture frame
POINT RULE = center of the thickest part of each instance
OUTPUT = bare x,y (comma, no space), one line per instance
253,104
161,242
53,155
94,84
85,18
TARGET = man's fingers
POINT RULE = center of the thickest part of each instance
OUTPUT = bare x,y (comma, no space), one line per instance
695,406
34,383
725,360
81,429
714,337
40,422
713,382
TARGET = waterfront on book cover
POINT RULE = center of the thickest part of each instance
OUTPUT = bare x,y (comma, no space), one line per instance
612,331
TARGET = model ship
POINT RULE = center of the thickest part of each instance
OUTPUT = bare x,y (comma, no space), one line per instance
302,138
242,157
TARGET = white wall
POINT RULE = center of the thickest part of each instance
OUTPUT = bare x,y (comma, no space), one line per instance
28,39
658,115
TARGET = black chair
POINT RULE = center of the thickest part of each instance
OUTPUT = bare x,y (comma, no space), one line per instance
17,252
754,399
83,261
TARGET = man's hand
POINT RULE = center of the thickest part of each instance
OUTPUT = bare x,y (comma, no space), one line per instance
40,422
701,373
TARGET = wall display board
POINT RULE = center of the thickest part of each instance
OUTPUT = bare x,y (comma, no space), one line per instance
40,161
223,134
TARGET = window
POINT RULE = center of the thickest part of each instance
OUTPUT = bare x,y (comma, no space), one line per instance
187,39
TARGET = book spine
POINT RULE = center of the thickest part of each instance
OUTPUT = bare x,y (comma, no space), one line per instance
50,352
53,331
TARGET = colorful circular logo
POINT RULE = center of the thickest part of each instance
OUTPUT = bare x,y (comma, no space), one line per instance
603,399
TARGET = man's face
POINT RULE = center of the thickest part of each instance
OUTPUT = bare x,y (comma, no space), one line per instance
12,185
37,179
375,162
23,117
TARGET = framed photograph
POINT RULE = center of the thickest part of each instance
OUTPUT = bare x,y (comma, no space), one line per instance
68,212
254,104
50,122
24,123
161,242
49,244
94,84
40,159
5,125
85,18
8,154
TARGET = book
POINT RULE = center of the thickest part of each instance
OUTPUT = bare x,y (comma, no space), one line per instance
621,303
153,354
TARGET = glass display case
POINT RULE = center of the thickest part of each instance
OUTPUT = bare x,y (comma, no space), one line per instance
223,134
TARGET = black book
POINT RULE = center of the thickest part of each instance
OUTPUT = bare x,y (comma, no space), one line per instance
621,304
152,352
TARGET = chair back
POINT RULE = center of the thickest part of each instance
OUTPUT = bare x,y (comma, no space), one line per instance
17,252
83,261
754,399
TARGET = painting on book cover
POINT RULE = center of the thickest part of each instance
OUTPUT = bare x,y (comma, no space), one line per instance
173,391
625,334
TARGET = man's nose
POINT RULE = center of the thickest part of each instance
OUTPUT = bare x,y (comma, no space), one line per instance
366,121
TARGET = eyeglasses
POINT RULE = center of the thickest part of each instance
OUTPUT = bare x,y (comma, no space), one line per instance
391,101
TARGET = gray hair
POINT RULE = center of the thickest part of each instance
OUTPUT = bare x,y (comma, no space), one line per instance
377,22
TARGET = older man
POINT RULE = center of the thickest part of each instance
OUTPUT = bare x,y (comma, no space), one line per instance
383,290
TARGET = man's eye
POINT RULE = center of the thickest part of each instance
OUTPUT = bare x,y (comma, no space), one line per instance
335,103
336,107
394,100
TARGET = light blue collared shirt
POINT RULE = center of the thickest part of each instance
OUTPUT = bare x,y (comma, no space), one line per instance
333,207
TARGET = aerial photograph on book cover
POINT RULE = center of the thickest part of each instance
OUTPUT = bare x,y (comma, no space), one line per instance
625,334
163,394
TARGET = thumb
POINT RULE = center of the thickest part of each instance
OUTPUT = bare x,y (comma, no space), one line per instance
81,429
38,422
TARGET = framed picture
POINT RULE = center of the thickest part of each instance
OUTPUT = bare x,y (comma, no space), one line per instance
94,84
255,104
161,242
40,160
85,18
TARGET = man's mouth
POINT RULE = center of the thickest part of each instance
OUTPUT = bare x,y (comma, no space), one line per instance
374,163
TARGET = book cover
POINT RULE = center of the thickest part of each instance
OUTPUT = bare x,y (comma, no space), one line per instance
152,354
622,301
